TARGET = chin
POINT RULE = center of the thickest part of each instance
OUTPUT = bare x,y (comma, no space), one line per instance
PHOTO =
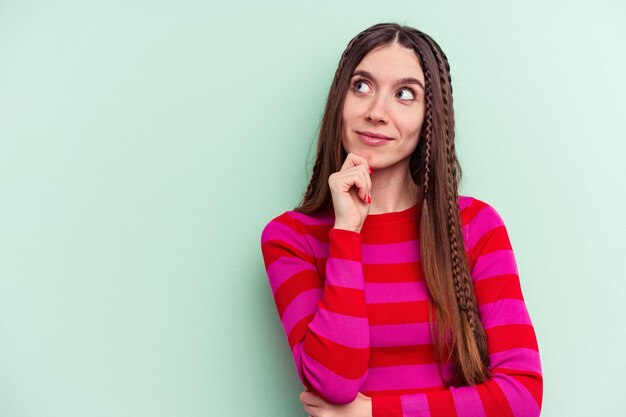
368,154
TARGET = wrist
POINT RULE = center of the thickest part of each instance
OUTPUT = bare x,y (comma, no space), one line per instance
368,407
350,229
345,227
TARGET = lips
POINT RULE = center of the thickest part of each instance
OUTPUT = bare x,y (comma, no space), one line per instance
372,140
374,135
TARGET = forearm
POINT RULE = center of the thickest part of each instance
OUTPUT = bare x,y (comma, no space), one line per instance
335,352
324,318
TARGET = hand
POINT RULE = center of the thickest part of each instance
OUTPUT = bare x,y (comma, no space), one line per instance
316,407
351,189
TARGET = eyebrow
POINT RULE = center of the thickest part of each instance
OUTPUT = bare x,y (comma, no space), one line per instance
405,80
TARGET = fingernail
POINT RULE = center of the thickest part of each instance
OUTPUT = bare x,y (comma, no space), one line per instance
369,199
370,169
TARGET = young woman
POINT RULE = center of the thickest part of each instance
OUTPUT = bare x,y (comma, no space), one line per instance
398,296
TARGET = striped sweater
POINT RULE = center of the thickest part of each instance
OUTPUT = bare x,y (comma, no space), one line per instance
354,308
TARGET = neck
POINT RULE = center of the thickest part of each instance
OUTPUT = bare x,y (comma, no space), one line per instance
393,190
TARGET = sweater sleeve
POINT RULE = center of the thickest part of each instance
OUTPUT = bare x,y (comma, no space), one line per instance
516,386
325,320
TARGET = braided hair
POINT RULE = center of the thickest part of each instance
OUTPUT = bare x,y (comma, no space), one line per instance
458,334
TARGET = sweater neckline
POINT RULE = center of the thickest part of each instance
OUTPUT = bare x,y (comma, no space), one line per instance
393,216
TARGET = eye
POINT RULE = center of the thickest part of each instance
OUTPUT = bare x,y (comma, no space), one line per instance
410,93
360,86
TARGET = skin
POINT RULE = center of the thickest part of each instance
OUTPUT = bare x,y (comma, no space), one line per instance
379,103
376,104
316,407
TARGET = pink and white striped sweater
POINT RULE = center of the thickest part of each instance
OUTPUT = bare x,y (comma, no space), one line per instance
354,307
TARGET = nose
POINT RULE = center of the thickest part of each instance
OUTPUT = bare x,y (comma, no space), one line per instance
377,111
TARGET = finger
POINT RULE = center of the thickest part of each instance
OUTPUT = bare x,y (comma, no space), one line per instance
311,399
367,187
361,183
353,160
354,177
364,190
311,410
368,184
364,165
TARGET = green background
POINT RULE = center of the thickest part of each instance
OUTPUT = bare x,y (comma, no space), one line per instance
145,144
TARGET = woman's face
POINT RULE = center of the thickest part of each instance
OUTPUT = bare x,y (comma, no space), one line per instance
385,97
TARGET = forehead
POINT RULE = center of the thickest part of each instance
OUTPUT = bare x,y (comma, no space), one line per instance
391,62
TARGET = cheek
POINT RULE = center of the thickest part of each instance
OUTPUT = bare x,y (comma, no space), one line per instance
349,117
410,124
353,108
343,141
411,128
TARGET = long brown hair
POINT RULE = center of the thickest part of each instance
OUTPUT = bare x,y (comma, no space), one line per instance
458,334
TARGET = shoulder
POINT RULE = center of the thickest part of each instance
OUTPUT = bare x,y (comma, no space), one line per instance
292,225
483,228
478,215
293,234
